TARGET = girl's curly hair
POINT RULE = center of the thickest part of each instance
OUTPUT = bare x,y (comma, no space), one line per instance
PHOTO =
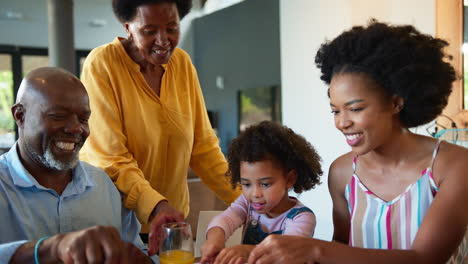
125,10
403,61
270,140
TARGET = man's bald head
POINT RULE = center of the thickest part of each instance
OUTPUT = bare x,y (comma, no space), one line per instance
52,112
45,80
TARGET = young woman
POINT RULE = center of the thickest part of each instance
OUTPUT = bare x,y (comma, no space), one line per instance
398,197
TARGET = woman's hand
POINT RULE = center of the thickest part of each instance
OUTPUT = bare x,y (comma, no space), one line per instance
162,213
234,255
278,249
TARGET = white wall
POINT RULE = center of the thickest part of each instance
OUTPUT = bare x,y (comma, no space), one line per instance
304,25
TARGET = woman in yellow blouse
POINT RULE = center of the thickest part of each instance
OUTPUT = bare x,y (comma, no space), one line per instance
149,122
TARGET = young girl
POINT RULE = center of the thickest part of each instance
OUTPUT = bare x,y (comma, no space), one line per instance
267,160
398,191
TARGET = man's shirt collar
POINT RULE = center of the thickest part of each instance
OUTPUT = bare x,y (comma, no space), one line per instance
22,178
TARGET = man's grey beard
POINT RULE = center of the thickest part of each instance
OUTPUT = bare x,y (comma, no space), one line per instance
49,161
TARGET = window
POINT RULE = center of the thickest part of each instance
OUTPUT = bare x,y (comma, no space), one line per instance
31,62
259,104
7,124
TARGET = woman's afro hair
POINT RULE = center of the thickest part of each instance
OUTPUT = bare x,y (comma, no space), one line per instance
403,61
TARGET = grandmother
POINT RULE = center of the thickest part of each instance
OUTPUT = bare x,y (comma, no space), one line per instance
149,118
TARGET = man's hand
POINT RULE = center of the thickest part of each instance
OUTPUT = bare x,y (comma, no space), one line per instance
95,245
135,255
162,213
98,244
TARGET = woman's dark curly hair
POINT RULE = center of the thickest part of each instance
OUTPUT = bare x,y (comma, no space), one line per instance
403,61
272,141
125,10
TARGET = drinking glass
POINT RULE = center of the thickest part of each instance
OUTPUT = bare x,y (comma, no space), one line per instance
176,244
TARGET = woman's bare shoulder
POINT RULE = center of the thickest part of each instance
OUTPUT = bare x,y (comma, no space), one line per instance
343,164
451,161
341,171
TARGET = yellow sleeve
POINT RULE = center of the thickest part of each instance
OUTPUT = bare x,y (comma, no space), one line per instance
106,147
207,160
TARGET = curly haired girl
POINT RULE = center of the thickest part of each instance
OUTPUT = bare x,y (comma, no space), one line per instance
267,160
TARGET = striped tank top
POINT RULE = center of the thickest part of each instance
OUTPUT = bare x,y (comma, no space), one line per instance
378,224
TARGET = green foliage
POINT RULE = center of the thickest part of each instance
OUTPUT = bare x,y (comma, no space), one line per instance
256,106
7,123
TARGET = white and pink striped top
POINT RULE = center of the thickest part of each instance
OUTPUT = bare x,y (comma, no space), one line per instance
378,224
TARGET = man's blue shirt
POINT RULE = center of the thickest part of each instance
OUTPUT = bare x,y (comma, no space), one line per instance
29,211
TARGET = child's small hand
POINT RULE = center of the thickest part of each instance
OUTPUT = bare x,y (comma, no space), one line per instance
210,250
234,255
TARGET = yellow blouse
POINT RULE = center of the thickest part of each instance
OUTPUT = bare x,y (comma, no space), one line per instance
146,142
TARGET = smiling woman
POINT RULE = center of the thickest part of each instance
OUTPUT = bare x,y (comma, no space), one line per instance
149,121
398,197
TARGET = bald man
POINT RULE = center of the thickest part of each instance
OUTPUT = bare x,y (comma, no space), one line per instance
55,208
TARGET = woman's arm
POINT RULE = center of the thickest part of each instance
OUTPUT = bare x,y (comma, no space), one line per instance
276,249
339,175
446,220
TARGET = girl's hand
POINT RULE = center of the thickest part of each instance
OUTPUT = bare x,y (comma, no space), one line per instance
213,245
277,249
234,255
210,250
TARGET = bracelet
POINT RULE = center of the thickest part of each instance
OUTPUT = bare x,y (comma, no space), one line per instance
36,249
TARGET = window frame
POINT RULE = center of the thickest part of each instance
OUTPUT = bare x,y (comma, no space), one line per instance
449,26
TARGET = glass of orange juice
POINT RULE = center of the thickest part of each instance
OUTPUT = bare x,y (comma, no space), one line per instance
176,244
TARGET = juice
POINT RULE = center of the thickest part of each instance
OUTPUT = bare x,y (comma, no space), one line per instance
176,257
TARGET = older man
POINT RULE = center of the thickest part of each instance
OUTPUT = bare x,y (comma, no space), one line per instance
53,207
